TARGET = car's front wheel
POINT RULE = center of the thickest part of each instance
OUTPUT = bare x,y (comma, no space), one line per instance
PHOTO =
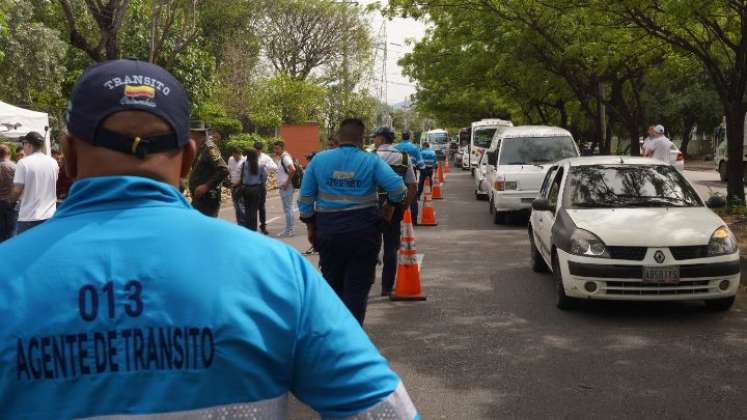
722,304
538,264
562,301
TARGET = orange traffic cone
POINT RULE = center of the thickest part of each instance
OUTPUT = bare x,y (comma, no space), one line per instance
428,213
437,191
408,272
440,174
446,165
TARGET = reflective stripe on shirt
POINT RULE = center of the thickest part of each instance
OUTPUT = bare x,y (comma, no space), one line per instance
360,199
276,408
397,406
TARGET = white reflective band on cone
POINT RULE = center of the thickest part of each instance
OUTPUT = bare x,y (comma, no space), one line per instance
276,408
397,406
407,259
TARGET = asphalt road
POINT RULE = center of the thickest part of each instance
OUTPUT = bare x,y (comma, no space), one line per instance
490,344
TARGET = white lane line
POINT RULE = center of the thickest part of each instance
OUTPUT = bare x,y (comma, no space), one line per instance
420,258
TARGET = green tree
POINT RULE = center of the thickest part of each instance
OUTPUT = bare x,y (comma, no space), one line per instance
31,73
715,33
283,99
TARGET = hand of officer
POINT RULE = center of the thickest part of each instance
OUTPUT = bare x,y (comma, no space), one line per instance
201,190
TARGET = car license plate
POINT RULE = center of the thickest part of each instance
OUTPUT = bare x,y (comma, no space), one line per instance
666,275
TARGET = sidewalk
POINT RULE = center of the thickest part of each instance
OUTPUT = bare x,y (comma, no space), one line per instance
700,165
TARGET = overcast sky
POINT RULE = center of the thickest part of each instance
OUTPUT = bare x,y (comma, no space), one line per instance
398,31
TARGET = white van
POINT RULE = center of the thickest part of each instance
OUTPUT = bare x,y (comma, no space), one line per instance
517,161
482,134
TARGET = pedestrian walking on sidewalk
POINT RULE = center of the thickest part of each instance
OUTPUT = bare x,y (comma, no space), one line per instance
270,166
253,179
209,171
34,184
128,303
234,170
400,163
340,205
286,172
8,213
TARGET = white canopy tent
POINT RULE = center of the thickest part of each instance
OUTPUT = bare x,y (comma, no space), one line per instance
16,122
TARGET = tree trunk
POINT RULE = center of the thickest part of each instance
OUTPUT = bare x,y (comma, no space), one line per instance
735,140
635,146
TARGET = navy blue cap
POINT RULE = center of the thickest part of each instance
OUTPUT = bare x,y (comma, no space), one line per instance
124,85
385,132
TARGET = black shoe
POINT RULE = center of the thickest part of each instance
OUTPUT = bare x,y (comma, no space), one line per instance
264,230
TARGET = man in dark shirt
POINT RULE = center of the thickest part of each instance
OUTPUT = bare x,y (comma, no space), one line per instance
8,212
209,171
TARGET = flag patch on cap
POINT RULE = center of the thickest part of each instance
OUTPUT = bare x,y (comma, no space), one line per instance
139,95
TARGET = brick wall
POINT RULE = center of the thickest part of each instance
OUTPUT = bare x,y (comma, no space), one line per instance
300,139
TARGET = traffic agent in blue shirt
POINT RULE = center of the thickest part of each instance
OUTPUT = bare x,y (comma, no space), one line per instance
430,160
411,149
339,202
129,302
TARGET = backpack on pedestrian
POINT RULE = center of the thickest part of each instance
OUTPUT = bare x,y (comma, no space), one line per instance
297,177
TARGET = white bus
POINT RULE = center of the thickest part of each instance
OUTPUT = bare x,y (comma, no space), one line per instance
438,140
481,137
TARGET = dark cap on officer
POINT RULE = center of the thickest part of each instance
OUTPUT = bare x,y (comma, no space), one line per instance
127,85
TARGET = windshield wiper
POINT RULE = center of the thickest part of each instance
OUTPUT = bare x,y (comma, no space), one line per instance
593,205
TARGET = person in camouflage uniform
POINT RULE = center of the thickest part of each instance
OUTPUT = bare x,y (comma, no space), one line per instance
209,171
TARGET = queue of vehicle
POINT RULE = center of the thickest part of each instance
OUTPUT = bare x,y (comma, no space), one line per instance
608,227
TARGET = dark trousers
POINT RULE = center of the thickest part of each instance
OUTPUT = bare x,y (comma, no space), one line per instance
238,205
208,205
348,262
8,216
263,208
390,234
426,173
252,195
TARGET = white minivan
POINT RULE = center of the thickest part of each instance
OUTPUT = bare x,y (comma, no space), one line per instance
517,161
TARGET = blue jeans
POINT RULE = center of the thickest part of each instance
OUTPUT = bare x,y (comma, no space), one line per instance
8,215
24,226
238,206
287,197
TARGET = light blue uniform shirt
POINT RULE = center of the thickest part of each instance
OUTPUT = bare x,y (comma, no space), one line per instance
130,302
339,189
413,151
429,157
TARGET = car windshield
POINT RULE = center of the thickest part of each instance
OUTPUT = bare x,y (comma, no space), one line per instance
438,138
536,150
608,186
483,136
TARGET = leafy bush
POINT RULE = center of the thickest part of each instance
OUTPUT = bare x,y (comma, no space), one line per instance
245,141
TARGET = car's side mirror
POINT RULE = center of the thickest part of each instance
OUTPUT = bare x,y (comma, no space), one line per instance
716,202
541,204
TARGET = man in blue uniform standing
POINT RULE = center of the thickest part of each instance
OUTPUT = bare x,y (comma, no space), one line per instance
136,304
390,232
340,205
429,164
407,146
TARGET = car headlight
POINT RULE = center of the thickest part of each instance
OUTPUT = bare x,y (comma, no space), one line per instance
722,242
587,244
